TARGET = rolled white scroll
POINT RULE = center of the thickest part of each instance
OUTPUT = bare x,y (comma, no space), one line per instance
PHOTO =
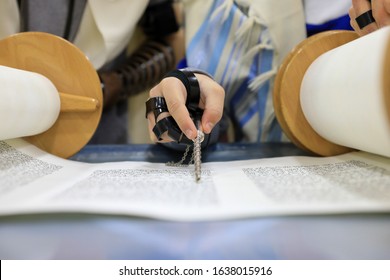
29,103
343,94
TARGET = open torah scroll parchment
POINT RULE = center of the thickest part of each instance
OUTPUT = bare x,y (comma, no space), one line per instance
32,181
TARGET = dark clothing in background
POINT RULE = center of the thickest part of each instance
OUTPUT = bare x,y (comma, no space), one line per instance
63,18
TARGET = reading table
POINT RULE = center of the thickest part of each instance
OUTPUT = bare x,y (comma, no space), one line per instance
81,236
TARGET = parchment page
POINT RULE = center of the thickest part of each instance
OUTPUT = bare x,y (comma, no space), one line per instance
355,182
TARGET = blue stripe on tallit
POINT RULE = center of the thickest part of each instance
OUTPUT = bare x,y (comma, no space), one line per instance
216,43
240,92
230,57
243,92
232,65
262,95
200,33
275,132
252,110
218,49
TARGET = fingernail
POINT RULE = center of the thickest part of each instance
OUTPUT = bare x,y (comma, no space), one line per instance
189,134
210,126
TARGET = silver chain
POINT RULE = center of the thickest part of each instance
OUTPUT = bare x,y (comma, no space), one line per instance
195,156
181,163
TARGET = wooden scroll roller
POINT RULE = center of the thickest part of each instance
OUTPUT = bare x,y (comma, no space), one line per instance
33,60
332,93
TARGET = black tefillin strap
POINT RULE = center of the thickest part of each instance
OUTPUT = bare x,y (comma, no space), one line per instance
157,105
365,19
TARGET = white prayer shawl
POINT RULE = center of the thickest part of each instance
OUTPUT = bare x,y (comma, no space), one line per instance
105,29
242,43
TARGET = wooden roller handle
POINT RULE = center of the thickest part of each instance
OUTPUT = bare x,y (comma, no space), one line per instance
76,103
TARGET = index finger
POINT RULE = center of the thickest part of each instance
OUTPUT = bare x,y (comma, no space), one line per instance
361,7
212,97
175,96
